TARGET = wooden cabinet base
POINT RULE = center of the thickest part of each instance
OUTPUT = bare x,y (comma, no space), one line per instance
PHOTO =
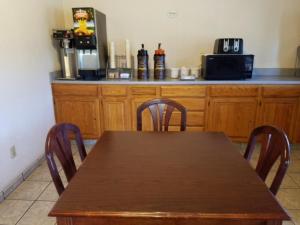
233,109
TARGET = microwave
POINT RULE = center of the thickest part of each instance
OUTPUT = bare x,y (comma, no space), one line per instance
227,66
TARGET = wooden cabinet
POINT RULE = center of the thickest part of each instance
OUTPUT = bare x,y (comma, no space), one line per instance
296,136
193,98
280,112
78,104
233,109
234,116
116,113
279,106
82,111
116,109
146,115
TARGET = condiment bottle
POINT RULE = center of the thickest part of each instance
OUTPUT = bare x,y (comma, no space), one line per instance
159,64
143,67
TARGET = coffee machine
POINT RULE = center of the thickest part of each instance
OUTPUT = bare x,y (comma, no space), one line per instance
91,43
67,53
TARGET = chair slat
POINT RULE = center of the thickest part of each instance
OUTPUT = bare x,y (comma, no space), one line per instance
162,109
58,143
274,146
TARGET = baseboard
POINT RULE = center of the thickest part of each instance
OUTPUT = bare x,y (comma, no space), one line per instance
20,178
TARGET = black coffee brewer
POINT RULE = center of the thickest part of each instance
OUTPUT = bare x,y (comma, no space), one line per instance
91,43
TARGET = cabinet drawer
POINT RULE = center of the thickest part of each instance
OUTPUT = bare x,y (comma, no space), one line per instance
183,91
194,104
114,90
281,91
143,90
234,91
75,89
192,119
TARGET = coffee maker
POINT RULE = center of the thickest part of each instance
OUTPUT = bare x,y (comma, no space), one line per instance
91,43
67,53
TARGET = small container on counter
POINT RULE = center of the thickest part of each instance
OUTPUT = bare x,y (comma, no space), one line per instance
159,64
142,63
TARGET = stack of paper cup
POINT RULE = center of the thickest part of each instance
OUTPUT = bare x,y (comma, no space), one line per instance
174,73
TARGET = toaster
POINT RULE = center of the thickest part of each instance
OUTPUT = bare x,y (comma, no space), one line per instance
229,46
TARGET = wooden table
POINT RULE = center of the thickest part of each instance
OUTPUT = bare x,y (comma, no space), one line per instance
171,178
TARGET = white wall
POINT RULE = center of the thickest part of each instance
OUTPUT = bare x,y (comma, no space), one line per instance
27,56
270,28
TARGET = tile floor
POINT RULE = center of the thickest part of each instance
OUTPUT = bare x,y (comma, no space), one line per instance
30,203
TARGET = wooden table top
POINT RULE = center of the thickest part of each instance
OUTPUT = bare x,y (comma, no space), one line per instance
167,175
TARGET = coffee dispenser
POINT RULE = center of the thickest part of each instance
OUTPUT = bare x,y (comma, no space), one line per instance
67,53
91,43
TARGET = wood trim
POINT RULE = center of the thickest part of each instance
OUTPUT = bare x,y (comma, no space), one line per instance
183,91
233,91
114,90
281,91
74,90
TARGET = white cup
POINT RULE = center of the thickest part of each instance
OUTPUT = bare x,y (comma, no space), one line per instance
195,72
174,73
184,71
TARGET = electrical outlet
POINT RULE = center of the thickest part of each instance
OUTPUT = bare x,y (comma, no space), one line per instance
13,152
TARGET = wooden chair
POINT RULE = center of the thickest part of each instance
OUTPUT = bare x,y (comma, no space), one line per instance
161,111
274,145
58,143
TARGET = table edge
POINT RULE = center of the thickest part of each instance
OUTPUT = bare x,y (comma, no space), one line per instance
166,215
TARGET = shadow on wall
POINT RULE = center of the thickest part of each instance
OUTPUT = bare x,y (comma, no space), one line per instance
289,35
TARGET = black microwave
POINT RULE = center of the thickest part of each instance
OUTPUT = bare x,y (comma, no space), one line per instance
227,66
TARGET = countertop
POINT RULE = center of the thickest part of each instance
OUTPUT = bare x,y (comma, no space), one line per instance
257,79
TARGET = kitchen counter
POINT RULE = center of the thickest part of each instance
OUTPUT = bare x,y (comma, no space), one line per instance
257,79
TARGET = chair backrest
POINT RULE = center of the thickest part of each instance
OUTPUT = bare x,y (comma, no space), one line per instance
58,143
161,111
274,145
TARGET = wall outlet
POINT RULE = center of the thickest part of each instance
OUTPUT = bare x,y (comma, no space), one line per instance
13,152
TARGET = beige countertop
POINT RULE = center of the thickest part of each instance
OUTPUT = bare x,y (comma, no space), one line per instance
258,79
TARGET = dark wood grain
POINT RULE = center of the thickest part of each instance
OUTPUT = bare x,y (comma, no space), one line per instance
58,144
274,145
161,178
161,111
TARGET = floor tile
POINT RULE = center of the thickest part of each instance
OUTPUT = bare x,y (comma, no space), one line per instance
295,177
289,198
28,190
49,194
41,173
295,214
287,182
294,166
296,155
12,210
38,214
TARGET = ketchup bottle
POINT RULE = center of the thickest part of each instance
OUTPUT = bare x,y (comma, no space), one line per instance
159,64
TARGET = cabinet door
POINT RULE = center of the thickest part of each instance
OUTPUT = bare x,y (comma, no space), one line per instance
146,115
233,116
280,112
116,114
297,125
83,112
